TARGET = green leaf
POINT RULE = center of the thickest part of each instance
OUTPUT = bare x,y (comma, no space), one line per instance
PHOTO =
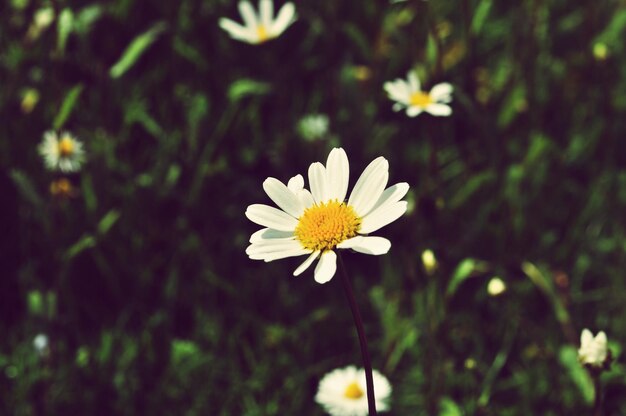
67,106
64,28
108,221
136,48
480,15
25,187
86,17
246,87
447,407
35,302
568,356
87,241
463,271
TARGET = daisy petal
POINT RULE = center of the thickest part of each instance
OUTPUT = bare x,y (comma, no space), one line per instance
305,265
269,234
439,109
285,254
272,246
266,10
367,245
248,14
397,107
390,195
296,183
413,111
441,92
337,174
414,82
326,267
286,16
283,197
586,337
369,186
234,29
318,182
271,217
382,217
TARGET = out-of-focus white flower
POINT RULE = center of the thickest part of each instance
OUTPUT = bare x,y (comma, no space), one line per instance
496,286
342,392
318,222
40,342
313,127
592,351
43,17
408,94
62,152
262,27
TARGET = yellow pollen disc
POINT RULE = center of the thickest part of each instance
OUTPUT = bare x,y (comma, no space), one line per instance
323,226
420,99
262,32
353,391
66,146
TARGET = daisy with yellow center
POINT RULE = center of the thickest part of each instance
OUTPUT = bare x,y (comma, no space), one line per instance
62,152
408,94
317,222
342,392
262,27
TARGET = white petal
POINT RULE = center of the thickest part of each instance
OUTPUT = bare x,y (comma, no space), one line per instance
272,246
442,92
235,30
286,16
337,174
439,109
318,182
601,339
283,197
370,186
326,267
367,245
271,217
398,90
296,183
266,10
586,337
382,217
391,195
277,255
305,265
248,14
269,234
413,111
397,107
414,81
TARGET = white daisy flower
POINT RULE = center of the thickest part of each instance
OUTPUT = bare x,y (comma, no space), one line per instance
262,27
342,392
63,152
409,95
318,222
593,351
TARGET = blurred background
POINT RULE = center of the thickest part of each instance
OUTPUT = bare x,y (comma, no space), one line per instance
128,291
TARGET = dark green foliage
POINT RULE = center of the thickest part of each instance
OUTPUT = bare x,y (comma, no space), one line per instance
140,279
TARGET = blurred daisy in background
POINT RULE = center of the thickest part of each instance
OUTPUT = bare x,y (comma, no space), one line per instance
342,392
316,223
62,152
593,351
408,94
262,27
313,127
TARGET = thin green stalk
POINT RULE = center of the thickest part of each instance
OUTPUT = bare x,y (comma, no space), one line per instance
358,322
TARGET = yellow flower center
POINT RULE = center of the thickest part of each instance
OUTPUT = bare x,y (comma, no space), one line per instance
323,226
262,33
420,99
66,146
353,391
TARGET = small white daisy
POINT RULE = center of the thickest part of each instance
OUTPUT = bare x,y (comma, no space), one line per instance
409,95
313,127
593,351
63,152
318,222
342,392
262,27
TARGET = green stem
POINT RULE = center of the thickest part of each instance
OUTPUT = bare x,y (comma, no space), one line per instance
597,407
358,322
